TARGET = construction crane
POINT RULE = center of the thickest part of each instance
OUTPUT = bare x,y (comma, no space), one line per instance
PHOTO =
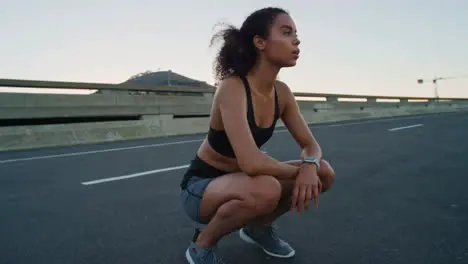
435,82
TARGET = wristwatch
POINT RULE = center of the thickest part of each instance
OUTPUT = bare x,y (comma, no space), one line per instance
311,160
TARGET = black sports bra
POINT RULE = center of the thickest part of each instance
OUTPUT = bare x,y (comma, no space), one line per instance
219,140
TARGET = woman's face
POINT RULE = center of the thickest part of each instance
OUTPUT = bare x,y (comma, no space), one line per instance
281,48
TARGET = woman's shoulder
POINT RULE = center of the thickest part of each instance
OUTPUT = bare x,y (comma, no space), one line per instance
283,90
282,87
230,81
285,95
230,87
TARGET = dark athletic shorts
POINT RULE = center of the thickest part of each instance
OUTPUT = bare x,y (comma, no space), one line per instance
192,196
193,186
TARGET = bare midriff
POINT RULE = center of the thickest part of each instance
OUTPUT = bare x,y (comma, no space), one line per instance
210,156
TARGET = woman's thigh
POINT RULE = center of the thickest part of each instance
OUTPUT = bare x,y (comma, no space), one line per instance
238,186
241,186
203,197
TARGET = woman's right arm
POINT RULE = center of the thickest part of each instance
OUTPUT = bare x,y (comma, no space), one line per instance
231,99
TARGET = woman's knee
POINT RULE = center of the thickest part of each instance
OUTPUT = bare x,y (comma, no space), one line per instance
235,207
327,175
265,192
261,197
251,196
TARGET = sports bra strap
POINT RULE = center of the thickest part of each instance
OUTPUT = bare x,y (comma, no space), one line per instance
277,108
250,112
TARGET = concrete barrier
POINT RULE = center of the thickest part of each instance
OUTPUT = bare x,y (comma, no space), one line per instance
30,137
17,106
158,111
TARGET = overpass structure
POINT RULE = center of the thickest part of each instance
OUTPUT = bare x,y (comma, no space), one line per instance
121,112
399,195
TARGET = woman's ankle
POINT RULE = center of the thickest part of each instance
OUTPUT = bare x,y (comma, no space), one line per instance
205,241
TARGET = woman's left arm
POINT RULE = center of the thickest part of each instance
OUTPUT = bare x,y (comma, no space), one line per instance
297,126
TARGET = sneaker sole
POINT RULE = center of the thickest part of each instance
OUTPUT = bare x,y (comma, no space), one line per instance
249,240
188,257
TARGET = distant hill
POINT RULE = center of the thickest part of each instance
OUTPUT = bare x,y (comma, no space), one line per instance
165,78
160,78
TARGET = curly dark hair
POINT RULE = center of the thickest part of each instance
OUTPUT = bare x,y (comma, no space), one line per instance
238,54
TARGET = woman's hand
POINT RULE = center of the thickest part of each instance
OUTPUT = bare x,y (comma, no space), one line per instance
307,187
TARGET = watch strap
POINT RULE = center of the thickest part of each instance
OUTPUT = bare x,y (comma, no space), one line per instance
311,160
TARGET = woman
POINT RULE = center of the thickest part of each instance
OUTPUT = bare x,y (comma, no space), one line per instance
231,184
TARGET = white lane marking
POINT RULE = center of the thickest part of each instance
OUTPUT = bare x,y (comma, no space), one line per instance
100,151
389,119
199,140
134,175
405,127
376,121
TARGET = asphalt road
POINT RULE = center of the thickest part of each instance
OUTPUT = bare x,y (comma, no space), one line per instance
399,197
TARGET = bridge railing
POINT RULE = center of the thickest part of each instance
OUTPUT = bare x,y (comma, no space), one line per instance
121,112
118,100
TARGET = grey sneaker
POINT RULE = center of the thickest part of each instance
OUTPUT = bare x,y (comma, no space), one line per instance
266,238
199,255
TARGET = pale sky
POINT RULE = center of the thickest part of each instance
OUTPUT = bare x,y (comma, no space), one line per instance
375,47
